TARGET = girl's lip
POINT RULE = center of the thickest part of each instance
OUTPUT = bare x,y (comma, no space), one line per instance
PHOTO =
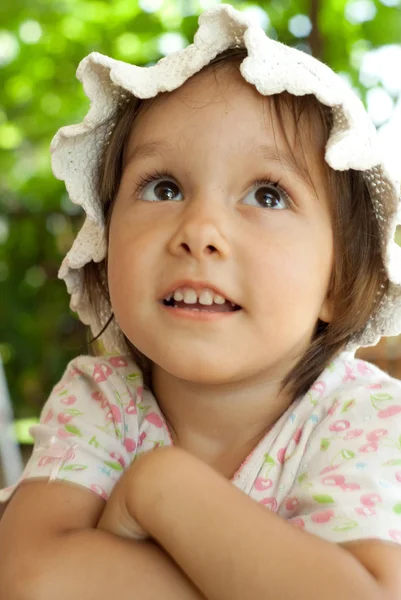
197,285
198,315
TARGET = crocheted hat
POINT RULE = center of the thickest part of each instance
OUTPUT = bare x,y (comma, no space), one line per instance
353,144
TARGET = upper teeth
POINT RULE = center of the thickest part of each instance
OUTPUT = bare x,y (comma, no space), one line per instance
191,296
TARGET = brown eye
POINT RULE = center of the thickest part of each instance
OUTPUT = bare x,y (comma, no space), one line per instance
268,197
267,194
166,190
157,187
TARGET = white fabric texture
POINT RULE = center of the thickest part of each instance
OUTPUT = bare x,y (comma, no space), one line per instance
353,144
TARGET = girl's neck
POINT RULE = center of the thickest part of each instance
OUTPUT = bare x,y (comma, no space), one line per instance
220,424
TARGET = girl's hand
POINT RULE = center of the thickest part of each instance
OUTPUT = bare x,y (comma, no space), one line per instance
117,516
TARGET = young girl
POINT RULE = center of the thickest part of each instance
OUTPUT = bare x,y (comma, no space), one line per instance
238,248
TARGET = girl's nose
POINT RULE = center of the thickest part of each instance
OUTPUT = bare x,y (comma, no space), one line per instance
200,234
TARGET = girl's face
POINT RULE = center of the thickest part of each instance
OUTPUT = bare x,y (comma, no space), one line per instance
214,215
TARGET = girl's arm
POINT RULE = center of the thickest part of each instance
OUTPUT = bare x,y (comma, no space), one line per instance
233,548
50,549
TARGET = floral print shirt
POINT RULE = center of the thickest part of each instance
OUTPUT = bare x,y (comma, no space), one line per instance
330,465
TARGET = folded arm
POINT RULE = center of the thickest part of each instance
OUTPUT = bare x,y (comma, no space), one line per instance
50,548
232,548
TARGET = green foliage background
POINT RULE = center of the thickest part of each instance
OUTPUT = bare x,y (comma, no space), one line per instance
39,94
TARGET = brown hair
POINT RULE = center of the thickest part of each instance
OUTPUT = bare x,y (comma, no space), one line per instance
358,282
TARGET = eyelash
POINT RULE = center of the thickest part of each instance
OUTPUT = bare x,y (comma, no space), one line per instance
149,177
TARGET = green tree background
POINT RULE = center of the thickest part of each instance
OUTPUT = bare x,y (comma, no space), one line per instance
41,44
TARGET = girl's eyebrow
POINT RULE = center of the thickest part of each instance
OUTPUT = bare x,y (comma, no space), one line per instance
148,150
271,154
266,152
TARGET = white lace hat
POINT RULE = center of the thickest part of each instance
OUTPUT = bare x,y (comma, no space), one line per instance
353,144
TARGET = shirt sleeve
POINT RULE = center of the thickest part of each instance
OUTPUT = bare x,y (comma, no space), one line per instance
88,430
348,486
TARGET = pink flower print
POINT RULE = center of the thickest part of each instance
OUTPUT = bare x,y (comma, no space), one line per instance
270,503
98,396
297,435
142,438
333,480
363,368
376,434
350,487
281,455
262,484
114,414
118,361
365,511
390,411
130,409
333,408
130,444
352,433
328,469
395,535
139,392
46,460
154,419
64,418
291,503
69,400
298,522
101,372
319,387
64,434
323,516
371,447
349,374
374,386
340,425
48,417
398,476
370,499
119,458
99,491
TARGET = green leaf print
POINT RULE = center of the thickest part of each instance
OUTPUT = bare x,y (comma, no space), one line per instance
397,509
324,444
72,429
93,442
347,454
393,463
113,465
303,477
132,377
74,412
269,460
74,468
347,405
346,526
323,499
381,398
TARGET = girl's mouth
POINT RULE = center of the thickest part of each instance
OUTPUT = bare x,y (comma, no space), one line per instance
198,307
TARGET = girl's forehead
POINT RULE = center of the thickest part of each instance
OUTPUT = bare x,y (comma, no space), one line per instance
223,94
221,102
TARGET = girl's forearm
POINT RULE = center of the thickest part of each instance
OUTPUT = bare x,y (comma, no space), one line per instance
96,564
234,548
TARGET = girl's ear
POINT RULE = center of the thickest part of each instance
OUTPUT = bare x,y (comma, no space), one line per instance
326,311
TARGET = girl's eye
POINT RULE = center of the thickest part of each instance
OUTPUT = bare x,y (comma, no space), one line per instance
268,194
157,187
